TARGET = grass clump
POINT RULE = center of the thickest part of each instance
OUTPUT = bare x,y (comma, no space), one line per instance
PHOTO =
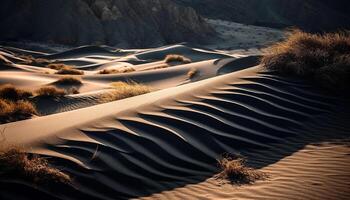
117,71
124,90
235,171
50,91
11,93
15,163
177,58
65,69
11,111
322,58
192,73
69,80
30,60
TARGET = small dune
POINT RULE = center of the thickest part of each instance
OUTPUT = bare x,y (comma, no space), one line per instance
15,163
322,58
177,58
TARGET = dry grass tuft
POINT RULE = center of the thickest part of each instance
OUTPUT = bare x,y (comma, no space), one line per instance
69,80
12,93
117,71
15,163
30,60
325,58
11,111
124,90
65,69
50,91
177,58
192,73
235,171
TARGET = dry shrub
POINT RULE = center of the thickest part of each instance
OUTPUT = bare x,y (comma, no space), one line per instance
235,171
69,80
50,91
117,71
124,90
30,60
12,93
65,69
177,58
323,58
192,73
11,111
15,163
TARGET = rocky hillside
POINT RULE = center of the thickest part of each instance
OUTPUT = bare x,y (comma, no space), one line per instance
311,15
123,23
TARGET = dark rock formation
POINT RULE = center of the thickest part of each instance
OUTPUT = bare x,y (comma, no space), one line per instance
310,15
124,23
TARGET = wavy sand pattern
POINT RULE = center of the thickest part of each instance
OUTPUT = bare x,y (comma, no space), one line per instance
165,144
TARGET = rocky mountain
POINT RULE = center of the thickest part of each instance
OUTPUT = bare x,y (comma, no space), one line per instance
124,23
310,15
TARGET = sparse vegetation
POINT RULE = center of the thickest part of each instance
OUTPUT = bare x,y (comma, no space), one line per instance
177,58
11,93
50,91
157,67
117,71
30,60
11,111
192,73
69,80
124,90
65,69
235,171
15,163
324,59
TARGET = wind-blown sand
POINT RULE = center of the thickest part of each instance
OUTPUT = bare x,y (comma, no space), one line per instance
165,144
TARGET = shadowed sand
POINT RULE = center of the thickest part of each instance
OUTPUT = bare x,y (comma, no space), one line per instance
165,144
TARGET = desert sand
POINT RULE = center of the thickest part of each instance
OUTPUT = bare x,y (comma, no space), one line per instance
165,144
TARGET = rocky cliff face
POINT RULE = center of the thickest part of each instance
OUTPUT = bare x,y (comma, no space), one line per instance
312,15
124,23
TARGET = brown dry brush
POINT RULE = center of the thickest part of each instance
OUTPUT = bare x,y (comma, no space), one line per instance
321,58
69,80
50,91
64,69
16,164
177,58
234,170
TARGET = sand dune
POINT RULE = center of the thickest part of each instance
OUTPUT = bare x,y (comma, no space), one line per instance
165,144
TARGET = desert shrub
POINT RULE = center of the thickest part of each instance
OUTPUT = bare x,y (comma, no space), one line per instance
12,93
235,171
117,71
69,80
15,163
124,90
11,111
322,58
30,60
65,69
50,91
177,58
192,73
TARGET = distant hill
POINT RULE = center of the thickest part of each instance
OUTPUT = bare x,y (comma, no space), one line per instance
310,15
123,23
